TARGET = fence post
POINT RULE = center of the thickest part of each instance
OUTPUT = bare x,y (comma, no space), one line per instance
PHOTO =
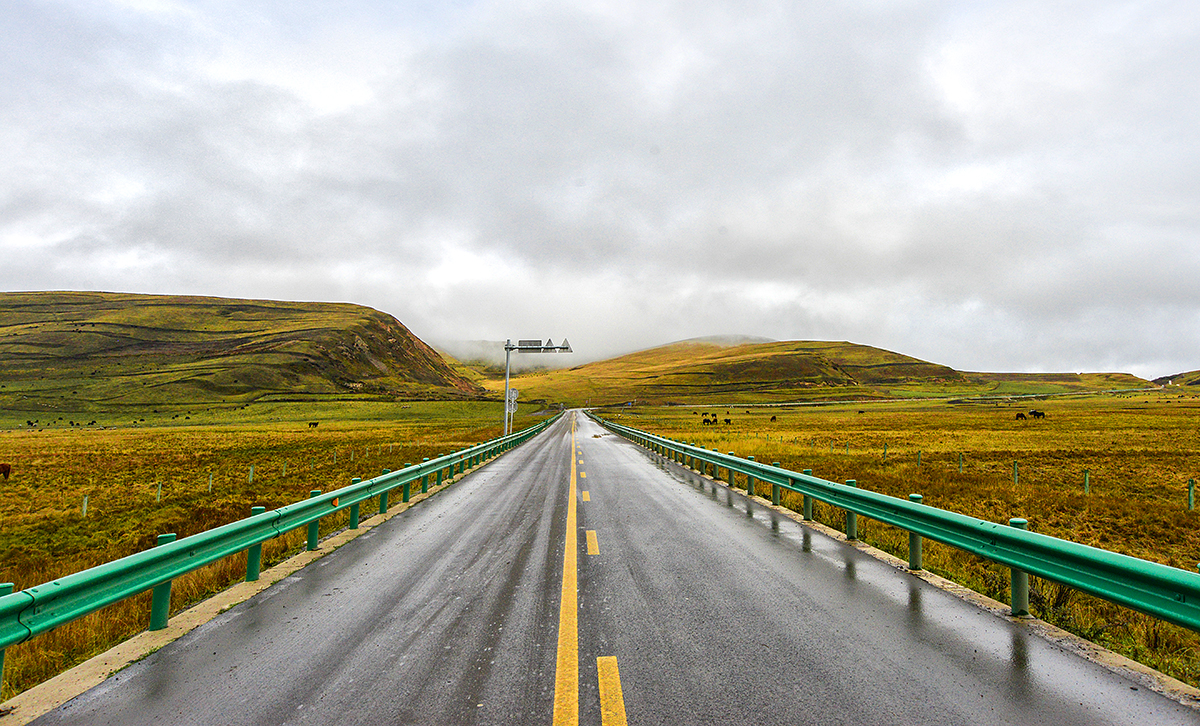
960,458
851,517
918,457
313,527
254,553
383,496
1020,579
808,500
6,588
775,487
354,508
210,482
251,479
914,541
85,500
1191,494
749,481
160,602
1016,476
885,452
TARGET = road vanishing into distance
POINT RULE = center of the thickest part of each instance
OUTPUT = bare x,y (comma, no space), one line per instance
680,602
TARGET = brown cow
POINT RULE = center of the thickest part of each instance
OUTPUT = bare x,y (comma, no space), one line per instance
5,471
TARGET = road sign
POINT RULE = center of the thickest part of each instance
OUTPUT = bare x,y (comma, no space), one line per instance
513,394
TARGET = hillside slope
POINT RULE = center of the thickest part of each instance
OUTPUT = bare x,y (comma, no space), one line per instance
699,370
84,351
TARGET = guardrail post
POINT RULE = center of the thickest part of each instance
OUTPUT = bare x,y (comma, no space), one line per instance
425,478
914,541
354,508
383,496
750,481
775,487
438,481
1020,579
808,500
729,470
254,552
160,602
313,527
851,517
406,492
6,588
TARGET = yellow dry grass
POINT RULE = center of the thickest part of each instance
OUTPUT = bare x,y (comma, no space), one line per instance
1138,452
45,535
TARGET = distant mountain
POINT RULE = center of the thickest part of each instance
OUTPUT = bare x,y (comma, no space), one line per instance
93,350
1191,378
698,370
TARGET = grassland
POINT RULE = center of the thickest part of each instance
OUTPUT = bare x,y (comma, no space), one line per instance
44,533
699,372
1138,451
104,357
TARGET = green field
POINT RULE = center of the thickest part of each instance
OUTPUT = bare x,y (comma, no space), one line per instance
1137,452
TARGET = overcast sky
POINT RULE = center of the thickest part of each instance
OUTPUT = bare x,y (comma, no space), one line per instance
998,186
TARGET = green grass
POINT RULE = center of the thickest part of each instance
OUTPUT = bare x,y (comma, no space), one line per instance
694,372
92,355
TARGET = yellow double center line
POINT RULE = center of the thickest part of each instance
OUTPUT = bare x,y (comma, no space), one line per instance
566,678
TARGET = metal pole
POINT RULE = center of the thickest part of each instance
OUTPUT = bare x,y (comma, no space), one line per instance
507,352
914,542
254,553
1020,579
851,517
160,603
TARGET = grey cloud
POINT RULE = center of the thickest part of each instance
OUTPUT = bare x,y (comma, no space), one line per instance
914,175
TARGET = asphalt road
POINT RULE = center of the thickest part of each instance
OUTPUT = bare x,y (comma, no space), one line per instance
697,607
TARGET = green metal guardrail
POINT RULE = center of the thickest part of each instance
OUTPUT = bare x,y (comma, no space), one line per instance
38,609
1164,592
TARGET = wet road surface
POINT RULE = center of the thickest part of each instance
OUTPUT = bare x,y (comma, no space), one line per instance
705,607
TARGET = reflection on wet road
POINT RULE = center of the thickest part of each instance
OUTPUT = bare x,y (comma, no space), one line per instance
717,609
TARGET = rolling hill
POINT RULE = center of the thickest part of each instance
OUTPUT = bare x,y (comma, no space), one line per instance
1191,378
95,351
701,370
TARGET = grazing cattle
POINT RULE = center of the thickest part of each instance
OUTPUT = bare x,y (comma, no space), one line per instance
1037,414
5,471
1020,417
728,421
313,424
772,419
